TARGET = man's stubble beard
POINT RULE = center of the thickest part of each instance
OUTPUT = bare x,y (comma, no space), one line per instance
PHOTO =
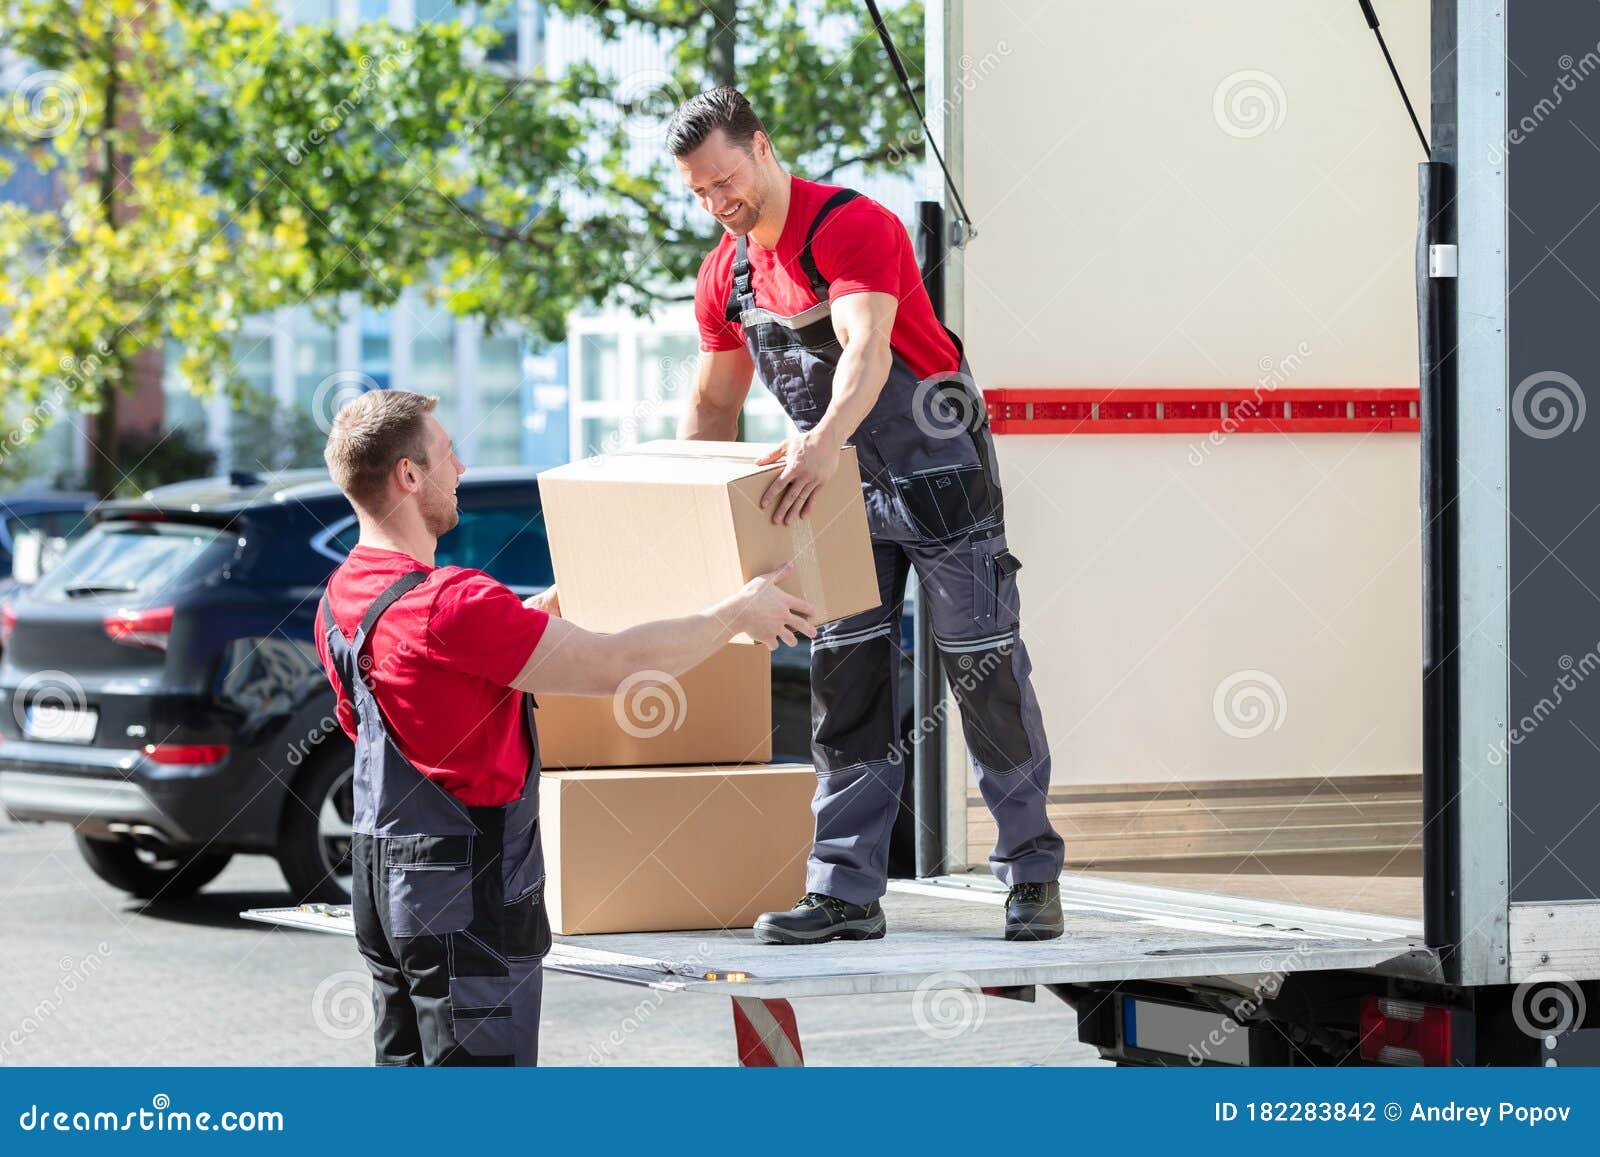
446,518
754,206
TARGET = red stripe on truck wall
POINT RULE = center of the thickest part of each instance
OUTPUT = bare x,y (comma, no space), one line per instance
1243,411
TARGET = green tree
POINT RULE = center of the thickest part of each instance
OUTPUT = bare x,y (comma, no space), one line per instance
216,163
137,251
814,71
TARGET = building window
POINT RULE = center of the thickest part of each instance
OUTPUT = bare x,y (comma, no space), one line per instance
312,356
181,407
433,357
632,375
312,11
602,375
375,362
499,419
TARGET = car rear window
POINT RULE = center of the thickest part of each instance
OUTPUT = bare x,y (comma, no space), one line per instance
127,558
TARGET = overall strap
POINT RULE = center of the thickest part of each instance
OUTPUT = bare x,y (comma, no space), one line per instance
808,262
345,659
742,296
401,586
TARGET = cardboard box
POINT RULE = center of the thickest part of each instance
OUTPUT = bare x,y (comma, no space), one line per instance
718,712
668,528
669,849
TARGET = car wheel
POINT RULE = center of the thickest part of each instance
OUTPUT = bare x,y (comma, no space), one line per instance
150,872
314,843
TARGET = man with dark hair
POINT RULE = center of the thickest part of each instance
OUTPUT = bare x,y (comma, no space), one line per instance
433,667
816,289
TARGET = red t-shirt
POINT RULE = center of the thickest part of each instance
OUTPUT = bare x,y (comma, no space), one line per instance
861,248
442,660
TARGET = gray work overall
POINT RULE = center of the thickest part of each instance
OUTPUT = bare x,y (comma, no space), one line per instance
448,899
933,500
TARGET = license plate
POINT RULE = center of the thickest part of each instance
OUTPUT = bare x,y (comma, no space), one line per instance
1196,1034
61,724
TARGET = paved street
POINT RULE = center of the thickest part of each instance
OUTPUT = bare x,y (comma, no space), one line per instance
91,977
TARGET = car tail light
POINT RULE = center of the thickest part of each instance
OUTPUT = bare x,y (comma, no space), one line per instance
8,622
186,752
1405,1032
141,628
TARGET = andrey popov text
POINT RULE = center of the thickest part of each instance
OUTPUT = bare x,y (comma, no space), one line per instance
1449,1112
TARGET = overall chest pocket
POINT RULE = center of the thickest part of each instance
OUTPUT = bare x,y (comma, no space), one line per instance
430,884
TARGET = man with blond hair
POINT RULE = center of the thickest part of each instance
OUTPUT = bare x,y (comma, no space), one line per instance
434,669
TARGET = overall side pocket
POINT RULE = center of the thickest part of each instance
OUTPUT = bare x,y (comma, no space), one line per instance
430,884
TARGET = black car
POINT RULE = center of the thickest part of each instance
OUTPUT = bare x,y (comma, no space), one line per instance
166,695
39,526
55,517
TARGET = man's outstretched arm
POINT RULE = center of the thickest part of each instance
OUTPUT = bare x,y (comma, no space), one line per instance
570,660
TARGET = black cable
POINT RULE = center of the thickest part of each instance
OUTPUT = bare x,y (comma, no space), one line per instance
1372,23
905,85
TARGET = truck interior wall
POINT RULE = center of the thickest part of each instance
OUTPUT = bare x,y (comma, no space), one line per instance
1207,196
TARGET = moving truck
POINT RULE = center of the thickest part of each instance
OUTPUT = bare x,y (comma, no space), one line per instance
1289,394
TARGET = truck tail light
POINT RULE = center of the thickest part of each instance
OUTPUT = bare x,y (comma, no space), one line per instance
141,628
186,752
8,622
1405,1032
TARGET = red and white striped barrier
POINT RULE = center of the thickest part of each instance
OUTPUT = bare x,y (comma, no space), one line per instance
766,1033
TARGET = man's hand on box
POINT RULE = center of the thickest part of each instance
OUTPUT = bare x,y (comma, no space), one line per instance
546,600
771,615
809,461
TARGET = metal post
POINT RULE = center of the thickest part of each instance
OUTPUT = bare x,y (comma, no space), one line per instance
1440,701
928,764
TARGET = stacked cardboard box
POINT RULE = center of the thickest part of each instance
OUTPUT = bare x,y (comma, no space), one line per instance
658,807
718,712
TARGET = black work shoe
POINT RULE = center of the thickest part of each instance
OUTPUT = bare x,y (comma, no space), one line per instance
1033,912
816,918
